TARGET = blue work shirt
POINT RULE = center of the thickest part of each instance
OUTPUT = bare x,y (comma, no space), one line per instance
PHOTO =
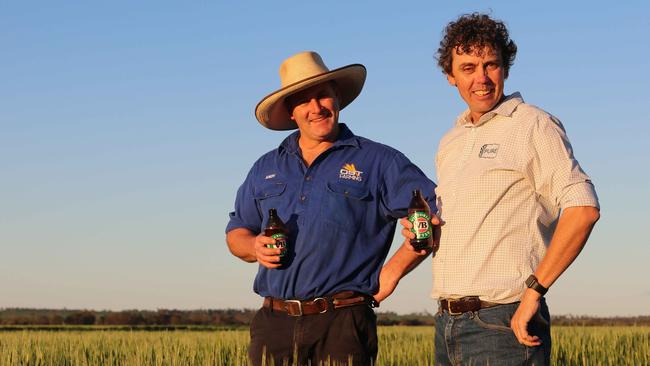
341,213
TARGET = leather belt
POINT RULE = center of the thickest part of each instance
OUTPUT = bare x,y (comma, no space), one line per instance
465,304
319,305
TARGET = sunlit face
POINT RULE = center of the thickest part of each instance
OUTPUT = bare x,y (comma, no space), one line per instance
479,80
316,112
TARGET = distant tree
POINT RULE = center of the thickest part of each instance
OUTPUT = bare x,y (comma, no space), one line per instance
198,317
135,318
162,317
80,318
54,319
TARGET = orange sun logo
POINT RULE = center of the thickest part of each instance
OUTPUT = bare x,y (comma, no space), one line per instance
349,167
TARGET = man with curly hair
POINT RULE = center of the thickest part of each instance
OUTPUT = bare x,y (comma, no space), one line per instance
516,208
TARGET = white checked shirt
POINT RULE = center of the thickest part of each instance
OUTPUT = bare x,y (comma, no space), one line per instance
501,186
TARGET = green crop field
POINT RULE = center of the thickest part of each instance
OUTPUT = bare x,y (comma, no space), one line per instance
398,346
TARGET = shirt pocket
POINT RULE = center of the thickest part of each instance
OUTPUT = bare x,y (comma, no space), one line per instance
493,177
271,196
346,205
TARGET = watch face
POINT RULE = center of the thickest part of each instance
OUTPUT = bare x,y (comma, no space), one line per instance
531,281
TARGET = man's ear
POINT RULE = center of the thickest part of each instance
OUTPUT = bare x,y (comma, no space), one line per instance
451,79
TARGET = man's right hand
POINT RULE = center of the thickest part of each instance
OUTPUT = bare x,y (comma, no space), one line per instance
268,257
405,259
408,234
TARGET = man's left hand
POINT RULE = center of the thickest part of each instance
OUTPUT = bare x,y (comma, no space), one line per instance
387,284
408,235
519,323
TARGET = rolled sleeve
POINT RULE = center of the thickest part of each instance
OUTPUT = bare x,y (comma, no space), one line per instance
401,177
580,194
246,214
556,173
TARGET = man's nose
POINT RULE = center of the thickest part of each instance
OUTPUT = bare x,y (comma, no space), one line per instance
314,105
482,75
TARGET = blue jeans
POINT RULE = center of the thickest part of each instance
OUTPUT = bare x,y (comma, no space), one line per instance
484,337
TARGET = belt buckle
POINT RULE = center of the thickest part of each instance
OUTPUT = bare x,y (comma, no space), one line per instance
449,302
299,307
323,299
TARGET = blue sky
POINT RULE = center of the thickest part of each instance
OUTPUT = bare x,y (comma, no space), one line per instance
126,129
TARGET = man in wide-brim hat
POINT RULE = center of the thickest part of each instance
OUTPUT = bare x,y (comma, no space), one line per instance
339,196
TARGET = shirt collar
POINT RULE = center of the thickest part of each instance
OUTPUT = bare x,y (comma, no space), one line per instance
346,138
504,108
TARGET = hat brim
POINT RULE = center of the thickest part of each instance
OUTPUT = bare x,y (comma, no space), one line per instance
272,113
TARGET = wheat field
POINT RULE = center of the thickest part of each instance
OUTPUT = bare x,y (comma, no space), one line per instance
398,346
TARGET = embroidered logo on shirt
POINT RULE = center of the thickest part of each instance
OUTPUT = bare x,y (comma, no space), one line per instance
270,176
349,171
489,151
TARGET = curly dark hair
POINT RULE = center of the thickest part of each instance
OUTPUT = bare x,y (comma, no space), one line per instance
471,33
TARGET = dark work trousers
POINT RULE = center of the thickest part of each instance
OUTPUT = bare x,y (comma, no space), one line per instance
332,338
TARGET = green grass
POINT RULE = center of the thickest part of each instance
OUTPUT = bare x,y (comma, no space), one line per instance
398,346
123,348
601,346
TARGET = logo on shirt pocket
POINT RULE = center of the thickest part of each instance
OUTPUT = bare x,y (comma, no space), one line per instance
349,171
489,151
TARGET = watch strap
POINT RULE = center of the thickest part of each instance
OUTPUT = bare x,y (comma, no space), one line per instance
534,284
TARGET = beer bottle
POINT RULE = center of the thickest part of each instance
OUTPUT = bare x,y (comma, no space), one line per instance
276,229
419,215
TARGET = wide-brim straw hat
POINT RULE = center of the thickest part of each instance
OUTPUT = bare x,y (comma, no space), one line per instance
300,72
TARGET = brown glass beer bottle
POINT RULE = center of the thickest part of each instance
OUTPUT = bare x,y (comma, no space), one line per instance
276,229
419,214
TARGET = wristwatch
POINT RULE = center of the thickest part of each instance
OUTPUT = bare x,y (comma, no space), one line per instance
532,282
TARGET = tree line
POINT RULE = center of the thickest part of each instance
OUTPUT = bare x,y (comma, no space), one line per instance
227,317
234,317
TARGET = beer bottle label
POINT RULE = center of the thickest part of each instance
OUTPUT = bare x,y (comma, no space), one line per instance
280,242
421,225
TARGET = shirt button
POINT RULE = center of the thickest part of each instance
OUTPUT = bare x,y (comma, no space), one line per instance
302,198
308,178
